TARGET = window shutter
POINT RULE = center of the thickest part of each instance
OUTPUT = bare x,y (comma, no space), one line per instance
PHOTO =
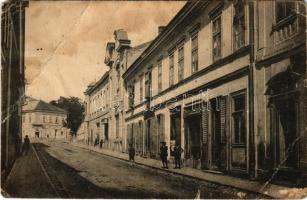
155,135
223,106
205,123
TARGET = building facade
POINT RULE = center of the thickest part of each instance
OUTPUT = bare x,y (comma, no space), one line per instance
195,78
97,117
12,80
105,99
280,88
226,80
43,120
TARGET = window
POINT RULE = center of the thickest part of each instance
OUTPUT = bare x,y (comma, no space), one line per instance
238,25
50,119
56,120
148,84
239,121
141,88
171,69
44,118
216,35
194,53
284,8
131,95
160,75
180,63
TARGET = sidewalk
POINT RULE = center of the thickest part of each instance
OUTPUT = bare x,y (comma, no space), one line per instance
271,190
27,179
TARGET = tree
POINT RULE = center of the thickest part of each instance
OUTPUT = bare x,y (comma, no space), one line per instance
75,111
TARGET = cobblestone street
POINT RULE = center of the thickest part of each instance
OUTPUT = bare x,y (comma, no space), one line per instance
86,174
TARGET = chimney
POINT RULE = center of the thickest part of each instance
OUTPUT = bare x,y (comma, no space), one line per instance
160,29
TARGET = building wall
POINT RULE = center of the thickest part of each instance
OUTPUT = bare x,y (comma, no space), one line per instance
279,45
46,125
213,79
12,81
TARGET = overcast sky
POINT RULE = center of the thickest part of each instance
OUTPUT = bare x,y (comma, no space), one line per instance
66,40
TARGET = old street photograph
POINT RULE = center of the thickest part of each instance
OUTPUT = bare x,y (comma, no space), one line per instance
201,99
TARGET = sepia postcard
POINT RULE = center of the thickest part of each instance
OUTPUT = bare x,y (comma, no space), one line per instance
200,99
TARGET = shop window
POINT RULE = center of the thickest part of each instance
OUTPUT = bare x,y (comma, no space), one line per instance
171,70
239,25
194,59
239,119
216,35
284,9
181,63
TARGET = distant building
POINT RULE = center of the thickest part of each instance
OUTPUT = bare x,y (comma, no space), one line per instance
43,120
105,99
97,109
12,80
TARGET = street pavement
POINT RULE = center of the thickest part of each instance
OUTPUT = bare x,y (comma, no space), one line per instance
87,174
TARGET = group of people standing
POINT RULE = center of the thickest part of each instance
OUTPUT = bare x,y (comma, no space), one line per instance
177,155
163,154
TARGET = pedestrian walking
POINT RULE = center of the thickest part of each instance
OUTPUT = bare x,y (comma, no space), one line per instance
164,154
131,151
100,144
26,145
177,154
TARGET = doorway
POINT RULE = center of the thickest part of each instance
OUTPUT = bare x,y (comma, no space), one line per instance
37,134
193,140
284,128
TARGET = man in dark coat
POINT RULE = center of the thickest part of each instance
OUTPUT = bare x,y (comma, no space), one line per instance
131,151
26,145
163,154
177,154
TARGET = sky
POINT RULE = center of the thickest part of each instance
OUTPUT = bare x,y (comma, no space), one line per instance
66,40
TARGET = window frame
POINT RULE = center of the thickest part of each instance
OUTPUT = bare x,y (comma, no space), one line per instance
242,138
171,69
217,34
238,17
286,15
148,84
180,62
159,64
141,88
194,49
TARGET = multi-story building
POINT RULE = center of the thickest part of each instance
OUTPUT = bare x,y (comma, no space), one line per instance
225,81
43,120
104,119
12,80
97,113
195,76
280,103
